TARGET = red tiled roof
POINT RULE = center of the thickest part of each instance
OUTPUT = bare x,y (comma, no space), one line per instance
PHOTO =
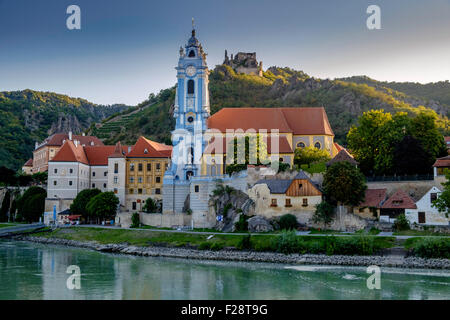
299,121
118,152
308,120
98,155
399,200
343,155
373,198
338,147
283,146
58,139
442,162
145,148
70,153
29,163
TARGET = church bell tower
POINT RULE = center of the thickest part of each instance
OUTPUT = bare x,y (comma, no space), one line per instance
191,111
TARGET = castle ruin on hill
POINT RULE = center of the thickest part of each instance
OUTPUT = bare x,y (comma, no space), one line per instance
244,62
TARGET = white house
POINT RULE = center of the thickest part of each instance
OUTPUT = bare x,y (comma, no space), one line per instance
426,214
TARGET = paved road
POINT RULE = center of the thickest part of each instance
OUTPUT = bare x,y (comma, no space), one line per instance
302,233
20,227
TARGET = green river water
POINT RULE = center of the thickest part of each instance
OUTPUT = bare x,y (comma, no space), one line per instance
35,271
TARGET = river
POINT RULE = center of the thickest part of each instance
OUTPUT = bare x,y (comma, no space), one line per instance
36,271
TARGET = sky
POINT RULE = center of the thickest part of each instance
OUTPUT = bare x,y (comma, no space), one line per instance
127,49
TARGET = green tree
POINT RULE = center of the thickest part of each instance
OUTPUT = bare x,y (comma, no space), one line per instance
80,202
33,207
23,204
425,130
150,206
442,203
374,141
344,183
135,221
40,177
5,207
323,213
309,155
410,157
104,205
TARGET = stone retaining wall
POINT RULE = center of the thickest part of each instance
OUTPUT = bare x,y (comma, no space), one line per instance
251,256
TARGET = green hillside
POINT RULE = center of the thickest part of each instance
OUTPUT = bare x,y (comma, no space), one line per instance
28,116
343,100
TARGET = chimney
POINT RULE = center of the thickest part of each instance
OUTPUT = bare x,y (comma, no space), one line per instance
75,142
83,134
129,149
36,145
70,135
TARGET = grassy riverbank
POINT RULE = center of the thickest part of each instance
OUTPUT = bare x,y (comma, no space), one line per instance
285,242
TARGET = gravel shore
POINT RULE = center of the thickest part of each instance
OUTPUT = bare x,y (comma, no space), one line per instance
250,256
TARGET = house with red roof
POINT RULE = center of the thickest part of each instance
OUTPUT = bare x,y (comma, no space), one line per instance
395,205
133,173
370,208
45,151
440,165
27,168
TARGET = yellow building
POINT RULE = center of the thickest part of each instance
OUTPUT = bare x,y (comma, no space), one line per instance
282,129
145,167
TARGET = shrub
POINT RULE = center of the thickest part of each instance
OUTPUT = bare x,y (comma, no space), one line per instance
242,224
204,246
80,202
216,246
288,222
150,206
323,214
135,222
432,248
245,243
287,242
401,223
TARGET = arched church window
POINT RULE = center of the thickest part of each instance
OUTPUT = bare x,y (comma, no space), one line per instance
300,145
190,88
317,145
191,54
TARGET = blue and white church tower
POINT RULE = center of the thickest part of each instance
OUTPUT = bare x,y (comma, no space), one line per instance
191,111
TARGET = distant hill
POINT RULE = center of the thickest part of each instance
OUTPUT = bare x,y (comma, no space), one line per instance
344,100
436,94
28,116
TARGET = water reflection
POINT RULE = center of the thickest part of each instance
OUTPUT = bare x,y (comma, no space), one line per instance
33,271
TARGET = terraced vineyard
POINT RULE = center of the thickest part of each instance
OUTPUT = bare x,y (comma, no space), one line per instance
116,125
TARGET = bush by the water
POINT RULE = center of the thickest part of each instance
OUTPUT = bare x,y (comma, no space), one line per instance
245,243
289,242
433,248
288,222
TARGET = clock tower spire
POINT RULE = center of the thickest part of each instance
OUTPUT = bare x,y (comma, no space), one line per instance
191,111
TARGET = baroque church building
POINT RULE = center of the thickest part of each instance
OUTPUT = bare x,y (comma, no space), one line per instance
200,141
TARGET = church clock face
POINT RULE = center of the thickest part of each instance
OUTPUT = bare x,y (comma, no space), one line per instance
190,71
